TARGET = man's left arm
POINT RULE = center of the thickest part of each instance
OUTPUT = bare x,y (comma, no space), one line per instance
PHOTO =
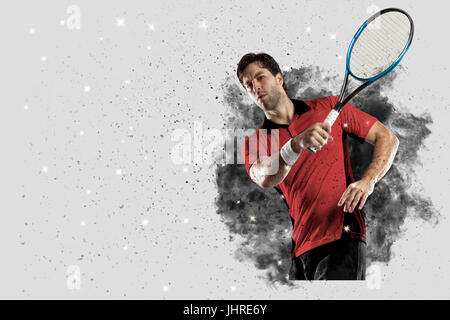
385,147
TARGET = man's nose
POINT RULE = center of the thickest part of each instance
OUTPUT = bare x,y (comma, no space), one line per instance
256,87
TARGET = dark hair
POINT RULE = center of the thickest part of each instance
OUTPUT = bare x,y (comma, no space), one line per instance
265,60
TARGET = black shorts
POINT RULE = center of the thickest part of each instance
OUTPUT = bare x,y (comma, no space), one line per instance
344,259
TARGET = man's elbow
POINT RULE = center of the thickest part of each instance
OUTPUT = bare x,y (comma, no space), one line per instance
265,184
388,138
394,140
262,183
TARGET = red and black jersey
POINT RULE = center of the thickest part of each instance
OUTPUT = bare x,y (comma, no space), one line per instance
316,181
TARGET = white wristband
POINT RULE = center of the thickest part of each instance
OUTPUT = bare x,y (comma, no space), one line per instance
289,156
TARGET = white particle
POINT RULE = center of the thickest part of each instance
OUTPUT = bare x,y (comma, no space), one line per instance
118,171
127,81
83,223
287,68
62,22
25,107
308,29
252,218
87,88
122,140
347,228
88,191
233,288
120,22
185,220
125,98
239,201
149,47
131,128
280,262
185,169
101,38
282,196
145,222
32,30
286,230
151,27
166,288
125,247
202,24
339,57
44,169
43,58
81,132
332,36
145,158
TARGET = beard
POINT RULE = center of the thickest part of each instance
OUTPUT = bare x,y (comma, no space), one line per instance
271,101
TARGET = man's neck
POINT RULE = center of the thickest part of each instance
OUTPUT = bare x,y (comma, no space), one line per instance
284,112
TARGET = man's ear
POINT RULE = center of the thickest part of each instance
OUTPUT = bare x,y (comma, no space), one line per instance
280,78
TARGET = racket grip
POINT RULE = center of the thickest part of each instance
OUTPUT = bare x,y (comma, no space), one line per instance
331,118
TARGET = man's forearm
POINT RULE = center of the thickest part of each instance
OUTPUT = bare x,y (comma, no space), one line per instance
384,152
270,171
385,147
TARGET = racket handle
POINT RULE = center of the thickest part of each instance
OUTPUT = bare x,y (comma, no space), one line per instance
331,118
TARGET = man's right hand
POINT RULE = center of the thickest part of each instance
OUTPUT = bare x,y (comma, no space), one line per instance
315,136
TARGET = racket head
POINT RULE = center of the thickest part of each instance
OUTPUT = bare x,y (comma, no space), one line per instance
379,44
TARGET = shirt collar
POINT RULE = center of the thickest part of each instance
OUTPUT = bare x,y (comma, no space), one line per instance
300,107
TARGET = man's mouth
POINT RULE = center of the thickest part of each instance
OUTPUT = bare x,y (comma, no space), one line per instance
261,96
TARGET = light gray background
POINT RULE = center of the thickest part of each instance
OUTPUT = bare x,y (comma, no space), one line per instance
163,213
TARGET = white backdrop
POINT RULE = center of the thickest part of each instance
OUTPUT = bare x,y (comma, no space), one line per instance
94,206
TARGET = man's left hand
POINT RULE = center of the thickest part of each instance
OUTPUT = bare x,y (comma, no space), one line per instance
356,192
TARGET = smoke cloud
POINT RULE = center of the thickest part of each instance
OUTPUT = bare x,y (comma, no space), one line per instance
259,218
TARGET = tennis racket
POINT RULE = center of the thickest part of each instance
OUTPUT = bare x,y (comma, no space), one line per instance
377,48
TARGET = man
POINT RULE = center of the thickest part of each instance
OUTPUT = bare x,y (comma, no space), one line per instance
325,203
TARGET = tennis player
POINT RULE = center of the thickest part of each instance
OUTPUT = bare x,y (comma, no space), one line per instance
325,202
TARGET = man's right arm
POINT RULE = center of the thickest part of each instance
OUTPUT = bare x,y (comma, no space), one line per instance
263,165
261,170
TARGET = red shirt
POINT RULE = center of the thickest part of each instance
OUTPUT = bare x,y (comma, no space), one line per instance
316,181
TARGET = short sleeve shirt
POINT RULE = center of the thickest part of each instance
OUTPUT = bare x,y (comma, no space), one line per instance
316,181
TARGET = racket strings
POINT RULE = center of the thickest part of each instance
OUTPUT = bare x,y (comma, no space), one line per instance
371,55
378,49
383,33
380,44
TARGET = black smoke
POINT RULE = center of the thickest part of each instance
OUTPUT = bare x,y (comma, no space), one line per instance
260,217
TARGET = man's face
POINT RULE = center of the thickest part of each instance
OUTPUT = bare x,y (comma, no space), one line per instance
262,86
